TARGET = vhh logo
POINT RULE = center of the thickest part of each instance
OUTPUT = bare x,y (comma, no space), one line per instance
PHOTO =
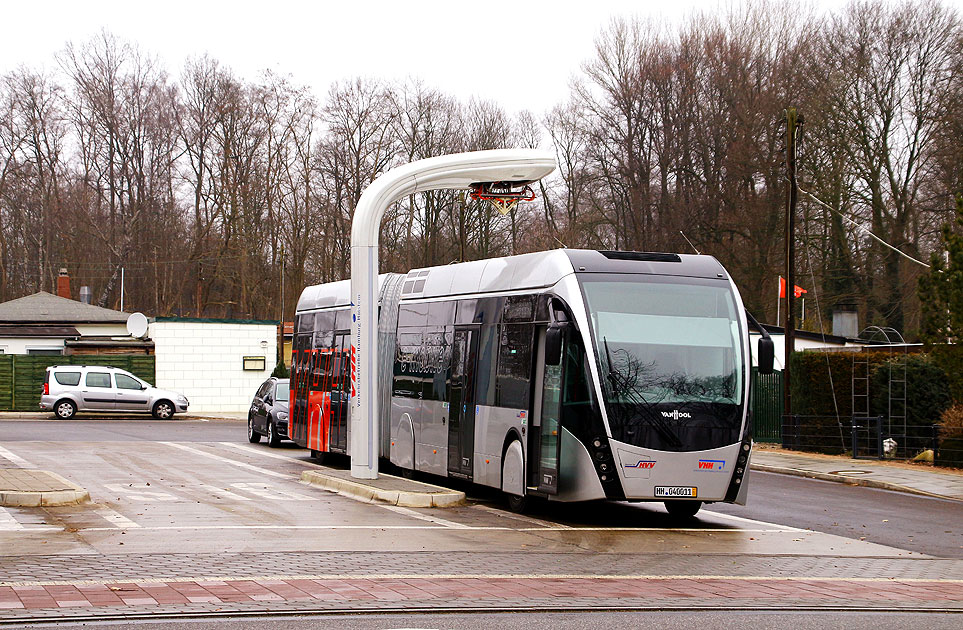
675,414
711,464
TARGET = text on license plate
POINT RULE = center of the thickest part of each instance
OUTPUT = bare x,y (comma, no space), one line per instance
676,491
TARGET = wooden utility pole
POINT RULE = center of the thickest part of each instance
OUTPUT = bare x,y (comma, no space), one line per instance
793,122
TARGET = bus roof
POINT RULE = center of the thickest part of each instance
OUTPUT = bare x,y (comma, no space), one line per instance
524,271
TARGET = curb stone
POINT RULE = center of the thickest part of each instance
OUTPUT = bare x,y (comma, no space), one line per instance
68,494
853,481
427,496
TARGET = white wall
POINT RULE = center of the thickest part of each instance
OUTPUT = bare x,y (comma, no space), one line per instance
20,345
204,361
102,330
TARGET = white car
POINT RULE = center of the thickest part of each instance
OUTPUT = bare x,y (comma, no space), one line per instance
68,389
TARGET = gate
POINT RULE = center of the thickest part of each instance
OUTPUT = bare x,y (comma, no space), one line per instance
767,405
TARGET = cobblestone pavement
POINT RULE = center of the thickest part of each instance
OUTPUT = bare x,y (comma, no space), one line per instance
77,586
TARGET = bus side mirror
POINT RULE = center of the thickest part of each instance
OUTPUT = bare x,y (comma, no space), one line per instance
767,355
553,345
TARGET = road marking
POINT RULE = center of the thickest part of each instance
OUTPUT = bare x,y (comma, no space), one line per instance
267,491
222,492
16,460
739,519
425,517
8,522
519,517
113,516
140,492
250,450
453,525
232,462
482,576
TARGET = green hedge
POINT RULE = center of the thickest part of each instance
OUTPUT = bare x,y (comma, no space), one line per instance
21,376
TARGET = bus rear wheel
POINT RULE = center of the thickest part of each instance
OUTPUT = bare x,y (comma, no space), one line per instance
516,503
683,509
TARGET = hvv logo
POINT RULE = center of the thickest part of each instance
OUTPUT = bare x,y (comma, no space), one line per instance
712,464
642,464
675,414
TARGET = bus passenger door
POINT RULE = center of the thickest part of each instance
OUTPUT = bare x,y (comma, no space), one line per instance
549,397
340,391
461,400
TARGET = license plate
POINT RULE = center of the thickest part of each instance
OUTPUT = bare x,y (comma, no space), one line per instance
676,491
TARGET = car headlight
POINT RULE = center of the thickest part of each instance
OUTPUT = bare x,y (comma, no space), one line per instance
182,399
282,415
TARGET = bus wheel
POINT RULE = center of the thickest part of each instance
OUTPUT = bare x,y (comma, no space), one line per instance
317,456
516,503
683,509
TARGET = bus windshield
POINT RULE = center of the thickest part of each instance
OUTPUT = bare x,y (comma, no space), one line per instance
670,353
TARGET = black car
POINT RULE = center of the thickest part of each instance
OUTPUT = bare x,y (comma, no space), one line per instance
269,412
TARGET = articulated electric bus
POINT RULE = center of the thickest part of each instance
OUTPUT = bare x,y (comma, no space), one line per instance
570,374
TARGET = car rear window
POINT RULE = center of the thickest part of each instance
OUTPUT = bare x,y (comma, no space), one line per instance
67,378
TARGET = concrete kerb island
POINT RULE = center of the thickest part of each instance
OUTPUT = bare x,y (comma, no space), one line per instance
384,489
21,487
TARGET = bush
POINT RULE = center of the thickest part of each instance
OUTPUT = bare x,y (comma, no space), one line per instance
950,452
927,390
950,358
280,370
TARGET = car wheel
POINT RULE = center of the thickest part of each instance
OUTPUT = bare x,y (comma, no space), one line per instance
682,509
163,409
272,435
65,409
252,436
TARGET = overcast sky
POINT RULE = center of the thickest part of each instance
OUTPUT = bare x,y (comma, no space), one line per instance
521,54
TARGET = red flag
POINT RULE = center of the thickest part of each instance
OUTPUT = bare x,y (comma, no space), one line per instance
797,290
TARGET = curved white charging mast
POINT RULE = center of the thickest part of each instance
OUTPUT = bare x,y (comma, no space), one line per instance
456,171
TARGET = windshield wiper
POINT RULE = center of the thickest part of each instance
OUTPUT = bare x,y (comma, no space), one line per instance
623,387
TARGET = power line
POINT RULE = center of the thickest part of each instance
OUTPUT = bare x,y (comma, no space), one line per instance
861,227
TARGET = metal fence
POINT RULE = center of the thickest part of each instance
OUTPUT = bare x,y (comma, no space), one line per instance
869,438
767,406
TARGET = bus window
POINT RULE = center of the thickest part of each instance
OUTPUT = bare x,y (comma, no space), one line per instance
514,366
487,363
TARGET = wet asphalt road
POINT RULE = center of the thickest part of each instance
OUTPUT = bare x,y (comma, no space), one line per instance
920,524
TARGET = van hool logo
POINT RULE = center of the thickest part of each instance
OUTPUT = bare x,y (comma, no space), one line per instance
642,464
675,414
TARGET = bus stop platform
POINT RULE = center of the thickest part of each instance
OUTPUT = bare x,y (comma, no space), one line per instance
21,487
385,489
944,483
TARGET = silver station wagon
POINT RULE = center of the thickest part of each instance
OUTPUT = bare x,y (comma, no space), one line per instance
68,389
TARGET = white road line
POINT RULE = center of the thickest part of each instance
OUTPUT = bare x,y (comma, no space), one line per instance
222,492
453,526
424,517
15,459
232,462
739,519
113,516
8,522
270,492
519,517
263,453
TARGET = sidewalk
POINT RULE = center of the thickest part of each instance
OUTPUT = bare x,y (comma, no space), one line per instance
887,475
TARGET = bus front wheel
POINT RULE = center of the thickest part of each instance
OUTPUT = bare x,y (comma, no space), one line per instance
683,509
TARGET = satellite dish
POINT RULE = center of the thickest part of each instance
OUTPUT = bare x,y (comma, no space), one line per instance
137,325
